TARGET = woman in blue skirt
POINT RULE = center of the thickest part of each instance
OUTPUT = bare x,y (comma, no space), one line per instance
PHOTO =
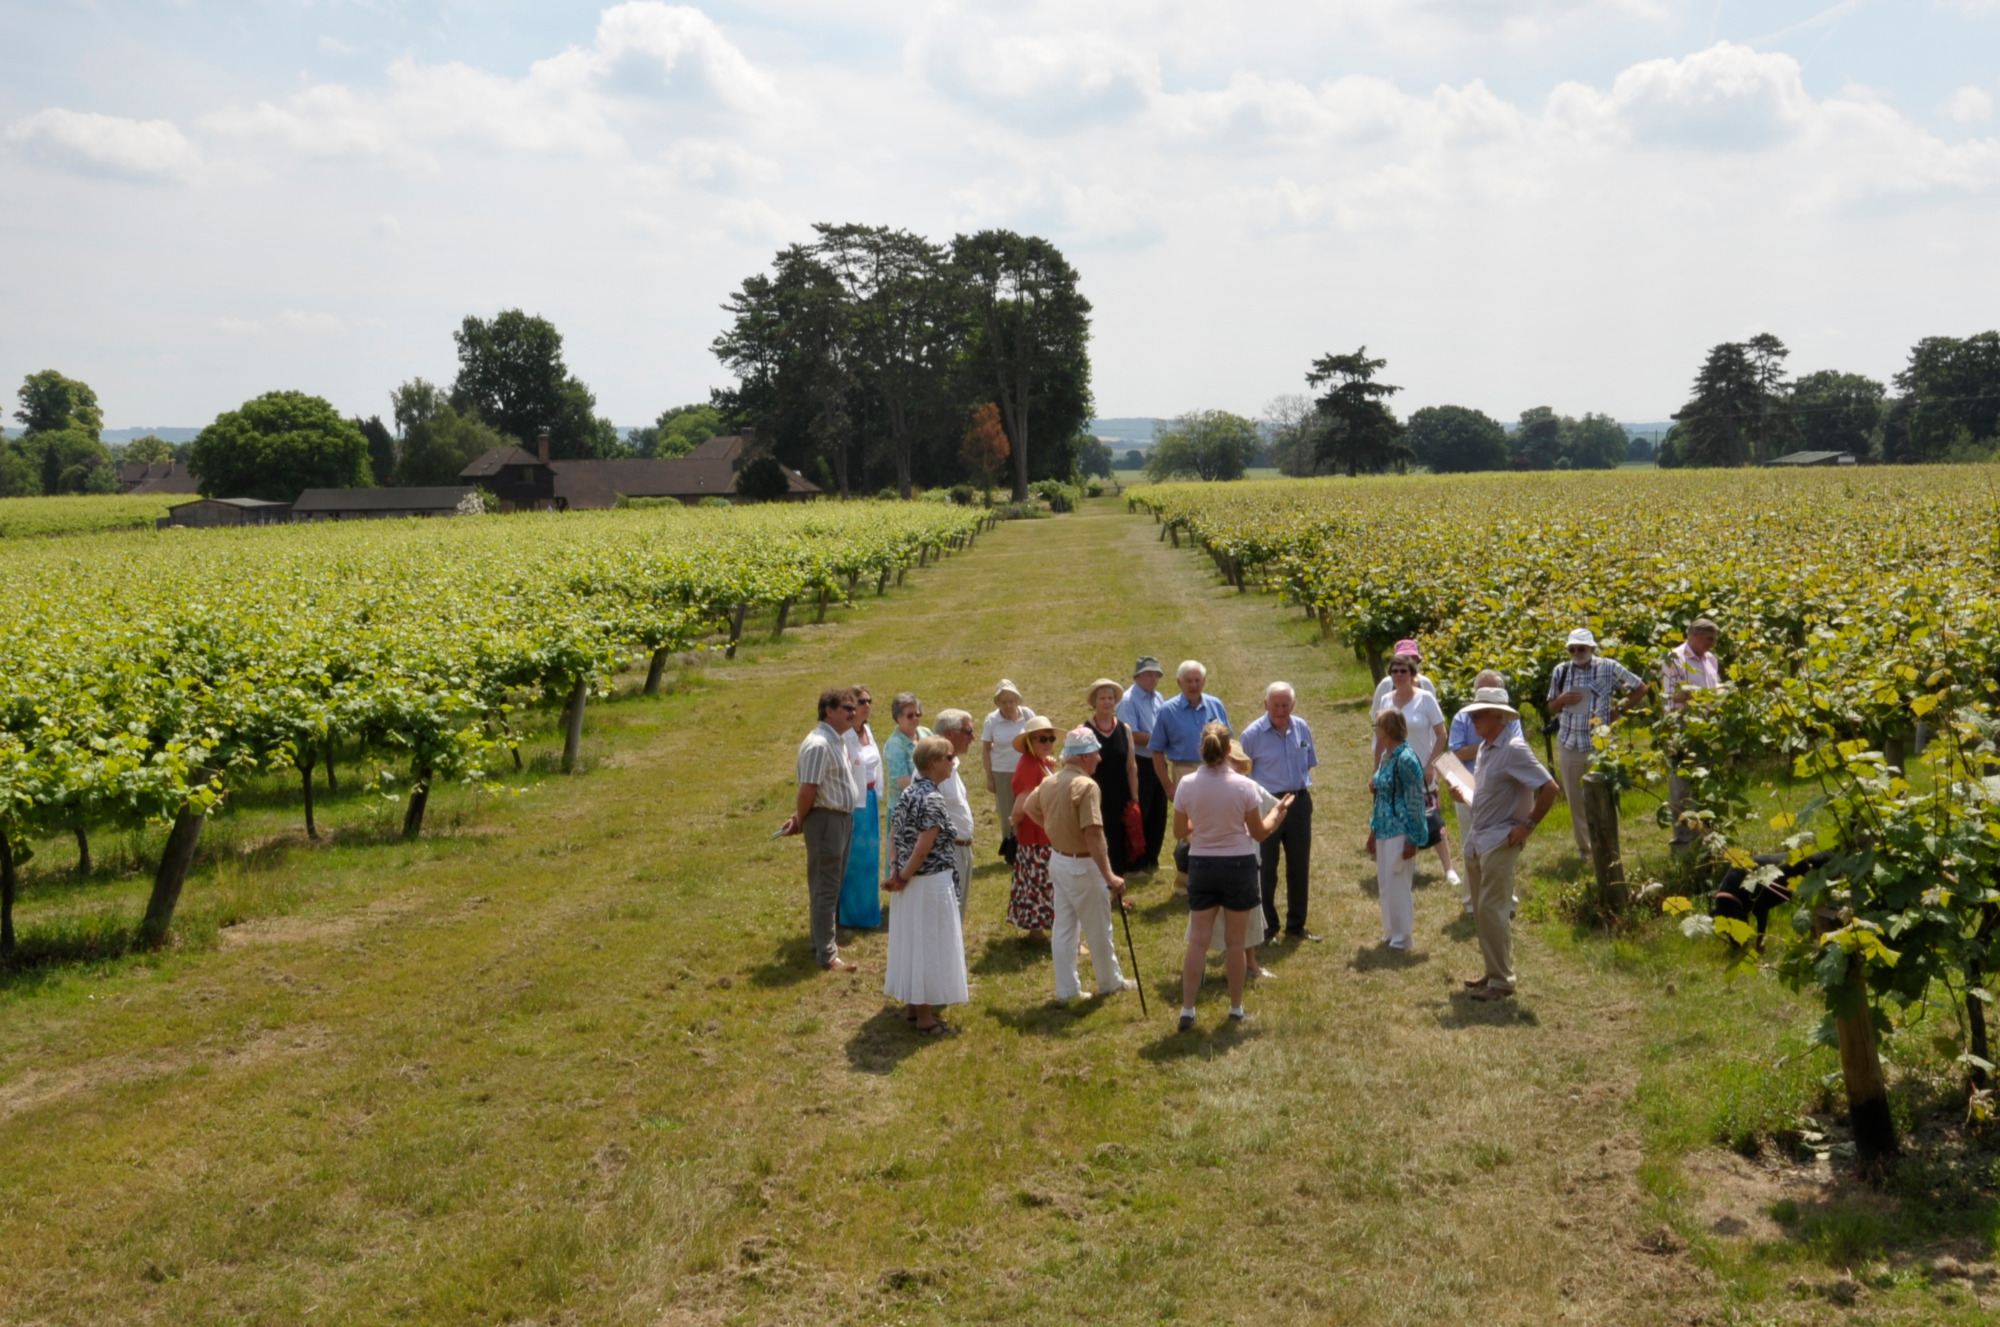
861,887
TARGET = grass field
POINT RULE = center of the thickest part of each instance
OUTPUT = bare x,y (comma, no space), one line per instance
26,518
566,1060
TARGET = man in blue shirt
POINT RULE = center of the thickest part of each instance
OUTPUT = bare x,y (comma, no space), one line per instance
1139,708
1280,746
1176,740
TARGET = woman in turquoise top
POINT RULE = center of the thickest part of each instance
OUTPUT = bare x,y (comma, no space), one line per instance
1396,828
904,710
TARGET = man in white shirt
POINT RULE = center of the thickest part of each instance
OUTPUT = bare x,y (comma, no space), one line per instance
955,726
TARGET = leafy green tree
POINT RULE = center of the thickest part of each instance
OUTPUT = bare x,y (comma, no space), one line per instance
682,428
150,449
381,447
1641,449
763,479
1837,412
1133,459
414,402
1451,439
791,345
1092,457
51,403
18,478
1294,428
1595,442
1538,438
1741,409
64,460
1021,293
277,445
1358,431
437,447
1208,444
511,371
1953,386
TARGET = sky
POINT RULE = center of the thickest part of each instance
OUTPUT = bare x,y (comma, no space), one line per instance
1513,202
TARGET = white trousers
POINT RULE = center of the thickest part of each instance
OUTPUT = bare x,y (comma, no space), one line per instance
1083,912
1395,884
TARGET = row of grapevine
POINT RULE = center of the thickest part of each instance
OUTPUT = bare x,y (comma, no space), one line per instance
146,671
1861,635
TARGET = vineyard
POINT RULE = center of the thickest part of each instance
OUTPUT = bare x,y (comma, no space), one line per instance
1861,646
146,673
28,518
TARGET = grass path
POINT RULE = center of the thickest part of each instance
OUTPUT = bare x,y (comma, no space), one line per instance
570,1063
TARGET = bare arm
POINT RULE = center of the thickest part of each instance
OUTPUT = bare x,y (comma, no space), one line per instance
1093,838
1263,827
1545,797
986,759
1132,771
1437,749
1163,773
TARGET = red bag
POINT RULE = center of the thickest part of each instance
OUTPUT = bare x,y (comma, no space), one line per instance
1135,831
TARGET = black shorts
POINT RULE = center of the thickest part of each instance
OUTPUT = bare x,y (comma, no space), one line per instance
1224,882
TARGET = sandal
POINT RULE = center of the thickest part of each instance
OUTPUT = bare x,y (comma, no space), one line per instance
937,1028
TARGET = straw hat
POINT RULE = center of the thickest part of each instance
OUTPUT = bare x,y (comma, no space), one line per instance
1006,688
1491,698
1238,757
1039,724
1090,692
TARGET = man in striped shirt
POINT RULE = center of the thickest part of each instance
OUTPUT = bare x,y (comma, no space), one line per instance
829,794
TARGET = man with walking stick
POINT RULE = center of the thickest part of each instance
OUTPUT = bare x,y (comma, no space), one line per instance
1070,810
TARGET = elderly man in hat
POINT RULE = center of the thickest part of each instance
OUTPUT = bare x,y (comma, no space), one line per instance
1139,707
1176,744
1511,793
1584,692
1069,807
1690,666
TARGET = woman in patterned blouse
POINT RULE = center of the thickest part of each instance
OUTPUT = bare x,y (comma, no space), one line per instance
926,946
1397,828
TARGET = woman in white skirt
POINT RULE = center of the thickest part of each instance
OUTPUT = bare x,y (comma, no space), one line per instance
926,947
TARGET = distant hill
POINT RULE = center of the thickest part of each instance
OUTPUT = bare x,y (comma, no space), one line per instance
1130,431
1652,432
114,436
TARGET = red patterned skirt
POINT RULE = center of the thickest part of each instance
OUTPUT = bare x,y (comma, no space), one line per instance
1032,904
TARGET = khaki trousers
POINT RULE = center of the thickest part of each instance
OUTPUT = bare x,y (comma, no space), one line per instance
1573,765
1491,877
1003,801
1178,770
1083,914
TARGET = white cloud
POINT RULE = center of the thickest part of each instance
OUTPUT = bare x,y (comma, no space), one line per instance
292,322
1050,80
148,151
577,101
1727,98
1969,105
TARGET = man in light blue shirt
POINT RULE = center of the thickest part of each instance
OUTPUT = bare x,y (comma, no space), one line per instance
1463,742
1176,740
1280,746
1139,709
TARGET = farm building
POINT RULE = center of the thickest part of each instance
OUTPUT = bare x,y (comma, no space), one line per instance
364,504
1813,458
208,512
526,482
156,477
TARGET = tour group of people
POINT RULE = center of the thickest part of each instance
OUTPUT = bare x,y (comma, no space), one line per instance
1079,808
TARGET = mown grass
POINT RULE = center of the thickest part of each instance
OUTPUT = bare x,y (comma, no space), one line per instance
566,1059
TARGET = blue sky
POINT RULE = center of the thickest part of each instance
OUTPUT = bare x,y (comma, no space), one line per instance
1517,202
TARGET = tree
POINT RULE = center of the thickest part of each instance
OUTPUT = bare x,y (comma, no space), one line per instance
436,448
763,479
985,448
1093,457
1640,448
1208,444
1295,427
277,445
1451,439
1358,432
51,403
1133,459
1538,439
18,478
151,449
381,447
65,460
414,402
1740,411
1595,442
906,324
1021,293
1953,386
1837,412
680,429
511,371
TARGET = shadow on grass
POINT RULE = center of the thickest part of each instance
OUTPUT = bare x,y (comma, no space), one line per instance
1054,1018
40,954
1377,958
1460,927
1010,953
886,1040
1199,1041
791,962
1460,1010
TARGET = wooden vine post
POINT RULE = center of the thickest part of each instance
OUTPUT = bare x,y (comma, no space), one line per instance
1600,813
175,859
654,670
573,720
736,626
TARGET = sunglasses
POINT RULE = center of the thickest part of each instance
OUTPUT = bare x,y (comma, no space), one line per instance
1402,670
850,708
1579,649
1045,738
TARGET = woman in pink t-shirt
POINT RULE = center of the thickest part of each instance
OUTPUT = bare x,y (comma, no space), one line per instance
1215,810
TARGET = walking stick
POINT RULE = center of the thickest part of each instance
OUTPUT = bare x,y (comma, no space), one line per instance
1133,949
